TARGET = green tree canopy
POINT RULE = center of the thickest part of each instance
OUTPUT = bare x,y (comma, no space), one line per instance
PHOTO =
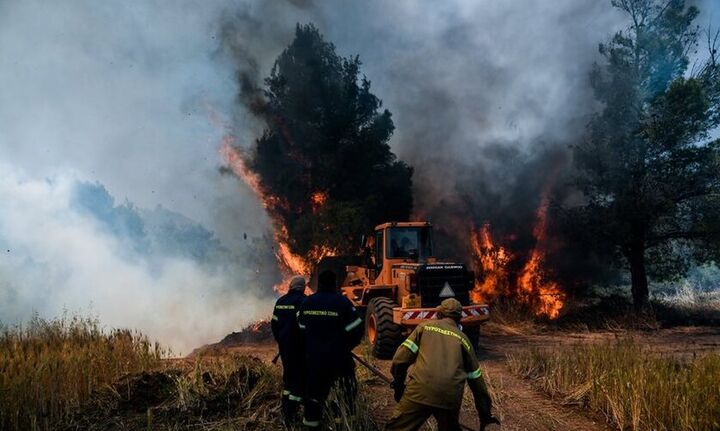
648,169
327,137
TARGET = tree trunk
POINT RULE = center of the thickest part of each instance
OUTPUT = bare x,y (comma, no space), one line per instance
640,294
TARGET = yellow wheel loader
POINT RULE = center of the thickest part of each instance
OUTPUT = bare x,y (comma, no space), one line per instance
398,283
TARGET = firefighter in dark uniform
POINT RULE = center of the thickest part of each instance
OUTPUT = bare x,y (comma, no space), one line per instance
443,360
292,348
332,329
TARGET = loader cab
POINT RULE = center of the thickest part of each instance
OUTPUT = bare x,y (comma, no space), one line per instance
398,284
409,243
401,242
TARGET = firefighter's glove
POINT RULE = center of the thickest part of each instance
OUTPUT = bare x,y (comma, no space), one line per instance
488,421
399,388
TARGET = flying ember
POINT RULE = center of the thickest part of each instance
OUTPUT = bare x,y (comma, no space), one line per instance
290,264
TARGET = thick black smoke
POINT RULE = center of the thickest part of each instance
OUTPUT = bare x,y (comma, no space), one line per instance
487,97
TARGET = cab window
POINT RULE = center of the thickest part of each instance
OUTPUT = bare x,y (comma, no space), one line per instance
409,243
379,250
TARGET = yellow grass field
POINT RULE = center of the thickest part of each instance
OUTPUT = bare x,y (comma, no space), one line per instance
70,374
633,387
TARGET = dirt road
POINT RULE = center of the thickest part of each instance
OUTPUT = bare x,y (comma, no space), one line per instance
518,404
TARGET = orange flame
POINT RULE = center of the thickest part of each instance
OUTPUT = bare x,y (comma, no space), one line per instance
290,263
545,297
317,200
492,262
532,286
236,162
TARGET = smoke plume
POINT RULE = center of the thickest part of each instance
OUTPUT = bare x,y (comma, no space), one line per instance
137,96
125,96
67,245
486,99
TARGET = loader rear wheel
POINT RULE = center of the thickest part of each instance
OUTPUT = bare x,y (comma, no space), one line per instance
383,334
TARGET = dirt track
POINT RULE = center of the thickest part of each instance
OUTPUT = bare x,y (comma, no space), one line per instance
518,404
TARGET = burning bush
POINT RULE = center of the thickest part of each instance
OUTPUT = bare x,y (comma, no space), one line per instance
530,285
322,167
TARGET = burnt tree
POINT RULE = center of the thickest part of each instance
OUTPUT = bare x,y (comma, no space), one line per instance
648,168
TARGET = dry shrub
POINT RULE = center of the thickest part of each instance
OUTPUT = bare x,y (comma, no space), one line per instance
633,388
69,374
357,417
48,368
508,317
231,392
686,305
604,312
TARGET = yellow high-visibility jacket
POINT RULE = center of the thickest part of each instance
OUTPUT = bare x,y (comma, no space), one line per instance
443,361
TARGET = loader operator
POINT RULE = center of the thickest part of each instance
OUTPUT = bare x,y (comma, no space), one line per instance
443,360
332,329
292,348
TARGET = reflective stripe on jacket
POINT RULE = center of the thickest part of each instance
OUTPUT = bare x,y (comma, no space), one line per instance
443,360
284,324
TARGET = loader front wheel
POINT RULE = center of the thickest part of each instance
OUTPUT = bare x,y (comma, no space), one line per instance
383,334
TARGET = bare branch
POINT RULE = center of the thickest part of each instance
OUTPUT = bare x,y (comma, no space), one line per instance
662,11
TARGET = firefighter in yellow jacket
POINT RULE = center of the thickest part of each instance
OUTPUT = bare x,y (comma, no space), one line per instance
443,361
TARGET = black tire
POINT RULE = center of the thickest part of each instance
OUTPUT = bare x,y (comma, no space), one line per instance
386,336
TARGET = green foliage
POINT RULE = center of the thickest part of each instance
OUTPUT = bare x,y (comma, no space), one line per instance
326,134
647,169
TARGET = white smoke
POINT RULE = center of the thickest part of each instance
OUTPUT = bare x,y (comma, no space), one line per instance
56,258
124,94
121,93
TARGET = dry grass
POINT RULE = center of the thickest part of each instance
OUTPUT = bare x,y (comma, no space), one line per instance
508,317
218,393
48,368
685,304
360,418
633,388
69,374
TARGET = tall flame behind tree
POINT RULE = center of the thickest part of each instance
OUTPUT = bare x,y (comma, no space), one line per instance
532,286
325,173
290,264
322,167
491,260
